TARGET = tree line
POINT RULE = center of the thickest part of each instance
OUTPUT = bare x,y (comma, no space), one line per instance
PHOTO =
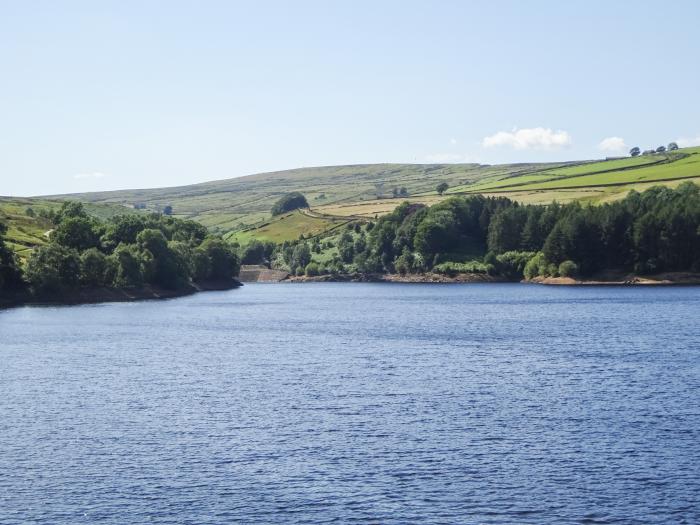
654,231
127,251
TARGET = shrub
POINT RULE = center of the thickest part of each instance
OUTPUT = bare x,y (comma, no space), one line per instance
568,269
536,266
452,268
312,270
512,264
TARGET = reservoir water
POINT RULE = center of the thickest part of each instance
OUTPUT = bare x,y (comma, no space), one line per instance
355,403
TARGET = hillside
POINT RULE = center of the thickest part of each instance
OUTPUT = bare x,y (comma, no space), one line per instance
240,207
233,204
28,229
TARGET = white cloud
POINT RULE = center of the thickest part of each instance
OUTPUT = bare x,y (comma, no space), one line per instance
93,175
528,138
613,144
453,141
687,142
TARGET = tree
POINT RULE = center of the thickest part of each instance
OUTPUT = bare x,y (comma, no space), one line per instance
68,210
123,229
442,187
404,263
201,265
661,149
190,232
167,210
256,252
505,231
403,192
129,263
289,202
672,146
93,268
300,256
154,241
635,151
79,233
536,266
53,268
346,248
225,264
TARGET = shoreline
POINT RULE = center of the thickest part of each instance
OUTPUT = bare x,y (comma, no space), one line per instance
113,295
603,279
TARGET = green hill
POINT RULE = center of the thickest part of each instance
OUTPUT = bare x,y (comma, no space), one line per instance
240,207
233,204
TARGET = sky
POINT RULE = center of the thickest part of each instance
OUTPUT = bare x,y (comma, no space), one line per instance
134,94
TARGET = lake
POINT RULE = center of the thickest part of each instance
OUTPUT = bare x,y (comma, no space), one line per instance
355,403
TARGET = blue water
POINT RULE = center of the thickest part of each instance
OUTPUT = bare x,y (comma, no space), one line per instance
355,403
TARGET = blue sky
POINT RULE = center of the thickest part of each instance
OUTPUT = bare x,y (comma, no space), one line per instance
123,94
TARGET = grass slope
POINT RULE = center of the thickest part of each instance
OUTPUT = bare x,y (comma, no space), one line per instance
286,227
240,208
240,203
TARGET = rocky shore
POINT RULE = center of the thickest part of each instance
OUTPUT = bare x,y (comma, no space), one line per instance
605,278
621,279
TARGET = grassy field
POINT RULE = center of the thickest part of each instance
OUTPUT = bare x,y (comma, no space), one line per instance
286,227
240,208
684,168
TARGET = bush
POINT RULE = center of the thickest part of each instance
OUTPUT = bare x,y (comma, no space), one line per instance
452,268
512,264
312,270
568,269
536,266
